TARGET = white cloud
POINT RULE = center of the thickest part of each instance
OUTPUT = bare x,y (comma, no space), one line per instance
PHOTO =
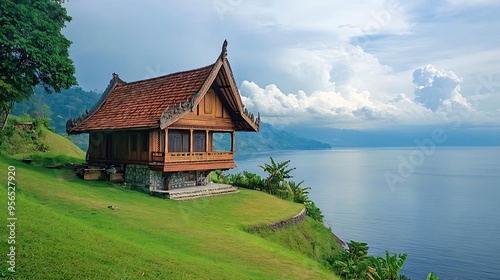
316,67
439,89
347,109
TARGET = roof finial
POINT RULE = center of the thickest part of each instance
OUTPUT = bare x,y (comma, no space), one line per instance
116,79
224,49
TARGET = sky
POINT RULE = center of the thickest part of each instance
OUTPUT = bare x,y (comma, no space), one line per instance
364,65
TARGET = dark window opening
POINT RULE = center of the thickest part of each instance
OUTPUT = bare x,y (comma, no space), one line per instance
178,141
200,141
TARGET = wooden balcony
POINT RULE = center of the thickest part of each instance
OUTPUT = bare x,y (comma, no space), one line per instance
187,161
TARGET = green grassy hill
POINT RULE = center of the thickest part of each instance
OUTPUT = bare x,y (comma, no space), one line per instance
65,230
20,140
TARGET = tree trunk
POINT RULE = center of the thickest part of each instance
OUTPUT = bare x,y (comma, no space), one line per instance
5,108
4,114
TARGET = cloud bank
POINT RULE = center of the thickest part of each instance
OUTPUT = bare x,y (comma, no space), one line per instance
337,63
436,99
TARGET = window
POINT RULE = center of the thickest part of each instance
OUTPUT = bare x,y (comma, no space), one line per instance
222,142
199,141
178,141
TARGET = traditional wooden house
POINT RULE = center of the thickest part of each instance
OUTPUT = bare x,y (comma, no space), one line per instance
162,131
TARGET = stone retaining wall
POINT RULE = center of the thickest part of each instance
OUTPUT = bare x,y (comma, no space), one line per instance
281,224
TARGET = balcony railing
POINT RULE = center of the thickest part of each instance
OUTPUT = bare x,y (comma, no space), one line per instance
160,158
198,156
157,158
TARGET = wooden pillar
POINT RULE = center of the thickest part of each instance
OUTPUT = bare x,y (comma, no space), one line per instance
165,149
206,140
191,141
233,141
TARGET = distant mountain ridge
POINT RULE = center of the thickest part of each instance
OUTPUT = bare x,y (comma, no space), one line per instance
270,138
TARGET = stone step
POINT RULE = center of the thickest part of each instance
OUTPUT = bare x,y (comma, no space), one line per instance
196,192
205,194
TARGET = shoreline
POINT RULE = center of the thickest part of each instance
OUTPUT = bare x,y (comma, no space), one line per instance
339,241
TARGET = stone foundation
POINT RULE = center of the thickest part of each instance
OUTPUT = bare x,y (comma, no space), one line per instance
187,179
143,177
148,180
180,180
156,180
202,178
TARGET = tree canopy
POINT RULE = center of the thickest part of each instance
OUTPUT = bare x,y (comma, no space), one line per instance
32,49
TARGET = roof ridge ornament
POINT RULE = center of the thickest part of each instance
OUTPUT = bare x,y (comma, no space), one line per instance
170,112
117,79
224,49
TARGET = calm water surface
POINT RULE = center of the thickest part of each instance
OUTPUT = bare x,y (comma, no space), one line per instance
442,208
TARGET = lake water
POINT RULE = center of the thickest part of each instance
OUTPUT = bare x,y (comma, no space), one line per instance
440,206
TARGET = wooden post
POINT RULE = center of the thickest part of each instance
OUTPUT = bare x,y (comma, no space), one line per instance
165,150
233,141
191,141
206,141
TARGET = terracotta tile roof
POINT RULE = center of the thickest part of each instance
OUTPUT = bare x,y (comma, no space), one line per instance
140,104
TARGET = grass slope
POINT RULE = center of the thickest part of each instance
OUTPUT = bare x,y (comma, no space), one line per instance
61,145
26,140
309,237
66,231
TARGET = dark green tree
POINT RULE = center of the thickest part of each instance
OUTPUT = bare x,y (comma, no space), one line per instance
32,50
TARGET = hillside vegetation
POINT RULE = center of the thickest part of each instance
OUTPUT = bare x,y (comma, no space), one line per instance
19,138
65,230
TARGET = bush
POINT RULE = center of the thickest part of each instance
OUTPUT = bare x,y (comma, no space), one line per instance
15,139
254,181
313,211
42,122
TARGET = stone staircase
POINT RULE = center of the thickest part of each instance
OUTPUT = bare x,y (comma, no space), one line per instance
196,192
